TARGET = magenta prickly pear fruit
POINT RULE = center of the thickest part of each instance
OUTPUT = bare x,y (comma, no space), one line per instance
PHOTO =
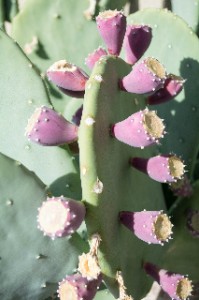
76,118
177,286
112,26
146,76
182,187
74,94
162,168
152,227
67,76
47,127
136,41
60,216
172,87
141,129
94,57
75,287
193,222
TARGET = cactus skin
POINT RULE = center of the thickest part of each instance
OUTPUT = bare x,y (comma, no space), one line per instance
137,39
101,175
31,264
183,61
189,11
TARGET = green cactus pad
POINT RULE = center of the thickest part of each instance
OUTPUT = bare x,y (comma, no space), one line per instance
22,91
188,10
104,295
104,158
62,32
177,47
182,254
31,264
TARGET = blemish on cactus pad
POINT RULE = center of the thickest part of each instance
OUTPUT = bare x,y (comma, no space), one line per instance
60,216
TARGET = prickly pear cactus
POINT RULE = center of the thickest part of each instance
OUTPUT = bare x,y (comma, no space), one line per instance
183,60
184,247
56,34
31,264
19,101
189,11
105,159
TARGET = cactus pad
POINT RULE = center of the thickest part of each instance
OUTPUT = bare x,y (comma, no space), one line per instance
109,184
31,264
180,55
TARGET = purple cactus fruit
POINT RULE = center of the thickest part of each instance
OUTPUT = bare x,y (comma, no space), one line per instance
193,222
146,76
136,41
74,94
177,286
182,187
152,227
47,127
76,118
60,216
67,76
172,87
94,57
162,168
141,129
75,287
112,26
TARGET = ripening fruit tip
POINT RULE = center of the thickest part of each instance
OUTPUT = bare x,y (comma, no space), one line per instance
146,77
162,168
67,76
136,41
60,216
47,127
141,129
177,286
112,26
93,57
153,227
75,287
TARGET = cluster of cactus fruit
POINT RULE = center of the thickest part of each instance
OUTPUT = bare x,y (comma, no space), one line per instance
60,216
